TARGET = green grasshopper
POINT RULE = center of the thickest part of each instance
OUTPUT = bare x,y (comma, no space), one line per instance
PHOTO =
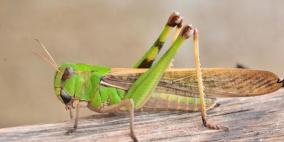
156,86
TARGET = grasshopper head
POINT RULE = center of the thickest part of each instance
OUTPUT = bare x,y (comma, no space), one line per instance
76,82
64,83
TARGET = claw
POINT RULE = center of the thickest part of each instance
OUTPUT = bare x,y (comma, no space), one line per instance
134,138
70,131
213,126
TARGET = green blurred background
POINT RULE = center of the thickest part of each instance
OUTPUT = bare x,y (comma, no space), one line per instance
115,34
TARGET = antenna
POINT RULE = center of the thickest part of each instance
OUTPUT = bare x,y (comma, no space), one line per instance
46,51
47,58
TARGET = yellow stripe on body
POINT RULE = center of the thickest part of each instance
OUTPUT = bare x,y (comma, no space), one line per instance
163,101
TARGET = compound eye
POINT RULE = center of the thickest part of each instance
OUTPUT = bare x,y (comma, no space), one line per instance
67,73
65,97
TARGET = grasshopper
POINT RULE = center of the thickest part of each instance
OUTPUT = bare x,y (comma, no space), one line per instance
156,86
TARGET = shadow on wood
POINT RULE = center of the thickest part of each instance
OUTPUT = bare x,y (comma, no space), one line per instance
249,119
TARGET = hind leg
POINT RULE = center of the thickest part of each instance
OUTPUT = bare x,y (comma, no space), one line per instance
201,86
149,57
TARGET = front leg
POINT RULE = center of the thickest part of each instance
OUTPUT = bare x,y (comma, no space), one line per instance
76,105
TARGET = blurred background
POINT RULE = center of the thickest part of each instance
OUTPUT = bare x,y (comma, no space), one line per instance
115,34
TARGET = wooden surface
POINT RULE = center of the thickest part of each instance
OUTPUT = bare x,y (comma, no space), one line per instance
249,119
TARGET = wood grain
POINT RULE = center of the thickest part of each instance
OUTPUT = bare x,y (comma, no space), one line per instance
249,119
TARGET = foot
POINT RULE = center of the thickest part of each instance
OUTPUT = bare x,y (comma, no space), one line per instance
70,131
134,138
213,126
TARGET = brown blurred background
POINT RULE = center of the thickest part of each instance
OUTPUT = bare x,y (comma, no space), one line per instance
115,34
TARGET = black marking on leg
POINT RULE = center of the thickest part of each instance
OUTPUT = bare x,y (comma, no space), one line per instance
159,44
146,63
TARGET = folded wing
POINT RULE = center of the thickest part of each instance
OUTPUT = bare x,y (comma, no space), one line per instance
218,82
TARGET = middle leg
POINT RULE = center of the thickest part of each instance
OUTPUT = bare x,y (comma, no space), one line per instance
129,104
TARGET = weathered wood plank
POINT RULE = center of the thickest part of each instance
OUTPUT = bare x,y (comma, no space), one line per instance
249,119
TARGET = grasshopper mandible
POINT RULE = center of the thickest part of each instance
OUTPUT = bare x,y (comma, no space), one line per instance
155,86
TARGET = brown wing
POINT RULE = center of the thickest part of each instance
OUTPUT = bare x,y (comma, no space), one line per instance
221,82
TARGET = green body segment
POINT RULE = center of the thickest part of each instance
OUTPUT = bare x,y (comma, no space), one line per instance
106,96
